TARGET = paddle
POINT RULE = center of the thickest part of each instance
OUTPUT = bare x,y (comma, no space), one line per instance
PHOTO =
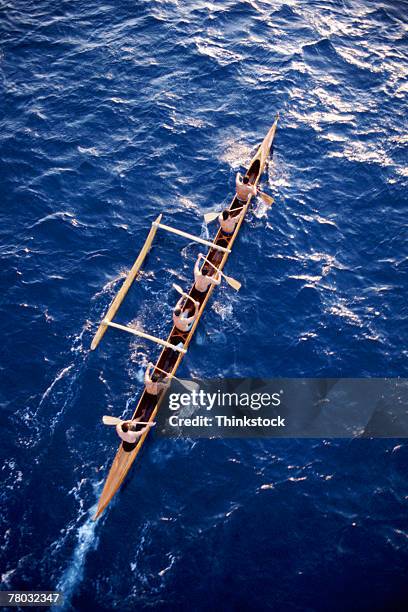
189,384
111,420
266,198
231,281
212,216
181,292
168,374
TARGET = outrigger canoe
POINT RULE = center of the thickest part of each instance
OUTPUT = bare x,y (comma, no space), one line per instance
177,342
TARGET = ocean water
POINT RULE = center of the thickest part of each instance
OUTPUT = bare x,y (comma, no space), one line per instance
112,112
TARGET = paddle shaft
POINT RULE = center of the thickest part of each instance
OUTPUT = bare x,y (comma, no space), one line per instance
167,373
215,268
187,384
110,420
232,282
144,422
212,216
181,292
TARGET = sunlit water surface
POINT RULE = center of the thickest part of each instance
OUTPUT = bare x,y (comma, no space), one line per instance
111,113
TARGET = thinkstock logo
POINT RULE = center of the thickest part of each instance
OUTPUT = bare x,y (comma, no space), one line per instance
199,400
283,407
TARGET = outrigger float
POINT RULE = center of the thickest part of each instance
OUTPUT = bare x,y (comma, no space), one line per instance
177,342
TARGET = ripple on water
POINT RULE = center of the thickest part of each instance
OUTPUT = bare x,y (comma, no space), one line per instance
112,115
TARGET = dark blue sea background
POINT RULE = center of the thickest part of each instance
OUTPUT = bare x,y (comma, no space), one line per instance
115,111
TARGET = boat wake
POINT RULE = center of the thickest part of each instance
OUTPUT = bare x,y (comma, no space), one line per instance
72,576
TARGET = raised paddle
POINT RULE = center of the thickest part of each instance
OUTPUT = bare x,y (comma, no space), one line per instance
231,281
111,420
181,292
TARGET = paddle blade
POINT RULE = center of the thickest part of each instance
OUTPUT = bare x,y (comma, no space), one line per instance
233,283
110,420
266,198
212,216
178,289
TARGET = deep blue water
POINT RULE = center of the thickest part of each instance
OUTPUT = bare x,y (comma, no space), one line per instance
112,112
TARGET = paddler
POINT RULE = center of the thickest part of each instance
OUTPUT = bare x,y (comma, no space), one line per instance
154,387
243,188
182,318
228,223
128,430
202,278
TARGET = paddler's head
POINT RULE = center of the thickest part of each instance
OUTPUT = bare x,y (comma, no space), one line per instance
225,214
125,427
245,180
177,312
204,271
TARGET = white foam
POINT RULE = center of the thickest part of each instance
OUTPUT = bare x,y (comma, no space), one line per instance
86,541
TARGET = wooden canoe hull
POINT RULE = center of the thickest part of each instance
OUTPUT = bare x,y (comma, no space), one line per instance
169,360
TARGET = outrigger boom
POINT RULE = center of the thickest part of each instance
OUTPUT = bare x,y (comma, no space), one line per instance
191,237
136,332
114,307
172,353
